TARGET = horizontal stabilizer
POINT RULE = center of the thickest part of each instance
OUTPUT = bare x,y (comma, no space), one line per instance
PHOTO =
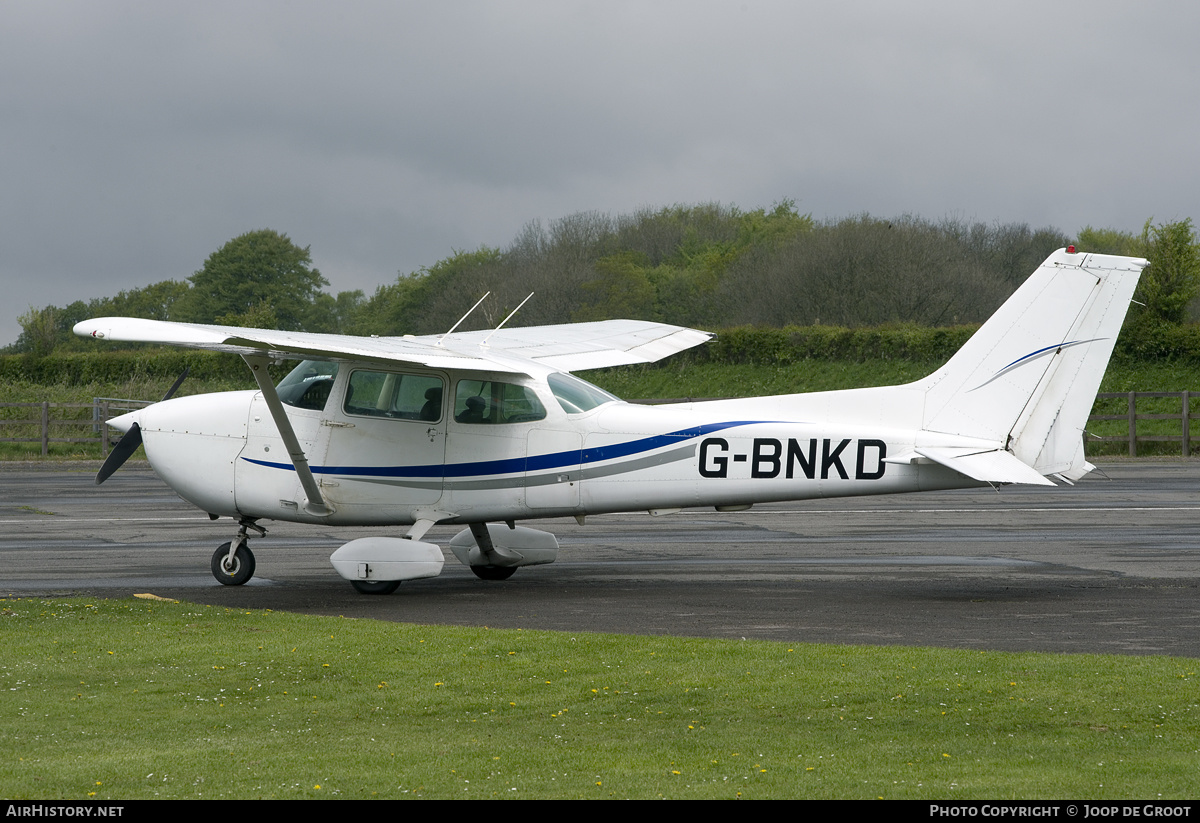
993,466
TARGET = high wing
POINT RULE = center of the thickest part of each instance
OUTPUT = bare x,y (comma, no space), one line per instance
568,347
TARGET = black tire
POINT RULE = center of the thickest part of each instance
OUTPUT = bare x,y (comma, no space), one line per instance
375,586
239,572
494,572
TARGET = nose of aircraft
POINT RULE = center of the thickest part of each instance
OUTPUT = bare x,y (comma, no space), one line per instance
193,444
126,421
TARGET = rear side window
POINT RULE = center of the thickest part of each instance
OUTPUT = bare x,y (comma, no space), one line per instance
491,401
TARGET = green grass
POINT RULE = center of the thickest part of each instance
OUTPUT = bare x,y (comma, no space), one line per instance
132,699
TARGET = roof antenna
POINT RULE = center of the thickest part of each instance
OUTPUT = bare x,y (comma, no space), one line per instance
505,320
464,317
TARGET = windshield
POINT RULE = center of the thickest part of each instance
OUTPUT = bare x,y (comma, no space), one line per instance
577,396
308,385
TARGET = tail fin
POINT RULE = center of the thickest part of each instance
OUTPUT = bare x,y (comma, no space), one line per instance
1029,376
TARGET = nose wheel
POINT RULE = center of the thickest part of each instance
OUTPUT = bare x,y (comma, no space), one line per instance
233,562
235,571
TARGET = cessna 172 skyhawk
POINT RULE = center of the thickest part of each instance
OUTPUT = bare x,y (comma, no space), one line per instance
486,428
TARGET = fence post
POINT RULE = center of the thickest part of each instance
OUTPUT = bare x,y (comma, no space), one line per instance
104,428
1132,424
1187,434
45,428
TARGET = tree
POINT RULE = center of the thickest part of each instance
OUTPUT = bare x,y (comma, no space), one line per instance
620,289
256,270
39,331
1110,241
335,315
259,316
1173,276
154,302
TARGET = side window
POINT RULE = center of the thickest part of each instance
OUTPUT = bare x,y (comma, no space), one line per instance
490,401
400,396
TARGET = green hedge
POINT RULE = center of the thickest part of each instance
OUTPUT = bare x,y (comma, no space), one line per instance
794,343
744,345
1161,342
73,368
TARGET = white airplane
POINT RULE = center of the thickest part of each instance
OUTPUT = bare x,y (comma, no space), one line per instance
485,428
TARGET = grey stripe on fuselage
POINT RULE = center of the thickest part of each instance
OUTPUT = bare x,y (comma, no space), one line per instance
574,474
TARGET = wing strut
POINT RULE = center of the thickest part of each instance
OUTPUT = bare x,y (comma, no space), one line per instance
258,367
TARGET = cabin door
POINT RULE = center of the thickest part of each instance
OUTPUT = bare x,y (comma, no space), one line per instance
385,442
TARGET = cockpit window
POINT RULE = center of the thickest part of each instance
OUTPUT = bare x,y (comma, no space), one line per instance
577,396
308,385
490,401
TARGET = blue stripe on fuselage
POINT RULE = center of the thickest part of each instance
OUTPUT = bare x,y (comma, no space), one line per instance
516,465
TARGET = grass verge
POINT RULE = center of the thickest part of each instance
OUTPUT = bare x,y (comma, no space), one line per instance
133,699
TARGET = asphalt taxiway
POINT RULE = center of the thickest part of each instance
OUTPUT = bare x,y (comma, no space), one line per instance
1110,565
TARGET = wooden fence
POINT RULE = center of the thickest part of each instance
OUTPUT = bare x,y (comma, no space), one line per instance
47,423
1131,416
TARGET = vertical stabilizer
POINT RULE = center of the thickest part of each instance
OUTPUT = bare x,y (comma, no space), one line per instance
1028,378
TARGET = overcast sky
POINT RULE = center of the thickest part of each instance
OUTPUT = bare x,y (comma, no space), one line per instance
137,138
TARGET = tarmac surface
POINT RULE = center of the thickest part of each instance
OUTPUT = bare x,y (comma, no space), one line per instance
1111,565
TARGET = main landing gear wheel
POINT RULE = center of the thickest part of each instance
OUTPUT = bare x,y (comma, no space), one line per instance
233,573
494,572
375,586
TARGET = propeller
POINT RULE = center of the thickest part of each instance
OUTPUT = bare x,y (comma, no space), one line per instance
121,452
130,441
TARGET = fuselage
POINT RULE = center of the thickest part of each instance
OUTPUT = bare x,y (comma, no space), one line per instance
392,447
